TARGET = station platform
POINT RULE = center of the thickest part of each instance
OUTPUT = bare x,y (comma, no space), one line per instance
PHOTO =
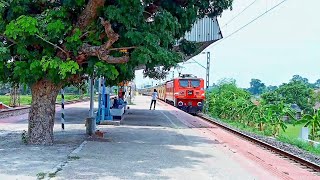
165,143
155,144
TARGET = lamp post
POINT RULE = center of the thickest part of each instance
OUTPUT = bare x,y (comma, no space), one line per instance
207,69
207,74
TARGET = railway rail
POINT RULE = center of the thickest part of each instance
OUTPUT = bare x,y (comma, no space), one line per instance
21,110
312,166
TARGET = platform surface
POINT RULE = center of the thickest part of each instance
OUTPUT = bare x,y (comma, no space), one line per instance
165,143
154,144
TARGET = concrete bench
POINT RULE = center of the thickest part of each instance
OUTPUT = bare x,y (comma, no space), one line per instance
117,113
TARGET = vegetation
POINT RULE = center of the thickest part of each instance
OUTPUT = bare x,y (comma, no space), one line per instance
313,122
228,101
300,144
27,99
272,113
73,158
257,87
41,175
51,44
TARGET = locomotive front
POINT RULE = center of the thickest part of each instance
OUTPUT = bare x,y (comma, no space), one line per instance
189,94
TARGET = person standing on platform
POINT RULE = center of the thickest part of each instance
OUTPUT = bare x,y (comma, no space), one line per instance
154,99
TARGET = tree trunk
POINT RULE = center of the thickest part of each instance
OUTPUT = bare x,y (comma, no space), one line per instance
42,112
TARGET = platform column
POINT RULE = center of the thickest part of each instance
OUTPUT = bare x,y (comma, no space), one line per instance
103,104
98,116
91,114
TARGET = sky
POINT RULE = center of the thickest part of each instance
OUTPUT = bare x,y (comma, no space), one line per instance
280,44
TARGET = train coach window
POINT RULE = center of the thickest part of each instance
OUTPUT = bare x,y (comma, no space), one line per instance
195,83
183,83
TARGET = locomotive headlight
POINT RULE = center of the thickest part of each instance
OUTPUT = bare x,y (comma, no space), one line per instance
199,103
180,103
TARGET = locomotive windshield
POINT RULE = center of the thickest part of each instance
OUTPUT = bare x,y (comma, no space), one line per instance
184,83
195,83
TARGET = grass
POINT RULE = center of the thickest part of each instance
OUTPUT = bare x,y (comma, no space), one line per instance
73,157
292,131
26,99
41,175
244,127
289,136
300,144
52,175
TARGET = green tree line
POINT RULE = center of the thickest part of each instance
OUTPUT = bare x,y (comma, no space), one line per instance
267,113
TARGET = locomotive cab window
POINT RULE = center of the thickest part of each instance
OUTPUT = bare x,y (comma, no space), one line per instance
195,83
183,83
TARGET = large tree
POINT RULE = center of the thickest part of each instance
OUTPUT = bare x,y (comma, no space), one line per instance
297,92
257,87
49,44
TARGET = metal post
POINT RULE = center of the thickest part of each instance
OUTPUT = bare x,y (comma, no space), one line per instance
208,70
62,109
98,117
91,124
103,106
91,97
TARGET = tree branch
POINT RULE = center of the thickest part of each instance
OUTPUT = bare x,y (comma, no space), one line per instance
120,48
112,36
89,13
68,55
11,40
114,60
103,51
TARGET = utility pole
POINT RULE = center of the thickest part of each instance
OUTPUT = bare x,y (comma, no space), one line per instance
208,70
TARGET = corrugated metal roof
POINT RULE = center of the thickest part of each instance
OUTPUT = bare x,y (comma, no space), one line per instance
204,30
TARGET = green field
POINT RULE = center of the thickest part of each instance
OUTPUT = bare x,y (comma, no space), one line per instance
292,131
26,99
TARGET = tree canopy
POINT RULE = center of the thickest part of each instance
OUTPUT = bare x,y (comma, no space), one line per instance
49,44
256,87
63,40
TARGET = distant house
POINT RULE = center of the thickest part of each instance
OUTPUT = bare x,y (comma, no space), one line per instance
317,104
297,110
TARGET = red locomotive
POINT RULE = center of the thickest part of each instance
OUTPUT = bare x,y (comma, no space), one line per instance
185,92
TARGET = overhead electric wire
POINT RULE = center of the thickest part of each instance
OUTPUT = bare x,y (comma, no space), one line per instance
239,14
258,17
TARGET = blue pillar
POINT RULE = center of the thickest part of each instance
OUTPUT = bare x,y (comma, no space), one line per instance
98,116
103,106
104,103
107,105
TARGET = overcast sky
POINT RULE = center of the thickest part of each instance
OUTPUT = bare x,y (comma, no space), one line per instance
284,42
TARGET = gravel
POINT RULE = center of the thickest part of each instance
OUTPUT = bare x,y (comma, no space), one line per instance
274,142
13,112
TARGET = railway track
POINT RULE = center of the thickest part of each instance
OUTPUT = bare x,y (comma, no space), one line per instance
313,167
22,110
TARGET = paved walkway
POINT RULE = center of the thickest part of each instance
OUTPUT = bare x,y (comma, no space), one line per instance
155,145
22,162
149,144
